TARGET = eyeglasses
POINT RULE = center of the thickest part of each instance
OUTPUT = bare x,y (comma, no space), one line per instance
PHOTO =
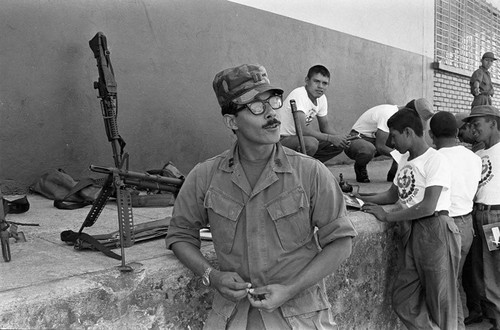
258,107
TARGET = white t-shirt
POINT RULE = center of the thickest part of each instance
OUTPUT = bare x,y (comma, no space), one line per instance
375,119
489,186
305,105
465,169
429,169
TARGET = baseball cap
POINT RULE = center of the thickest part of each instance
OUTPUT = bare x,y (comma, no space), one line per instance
241,84
422,106
489,55
482,110
459,117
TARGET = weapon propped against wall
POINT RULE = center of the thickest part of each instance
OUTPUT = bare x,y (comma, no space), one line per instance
346,188
120,180
298,126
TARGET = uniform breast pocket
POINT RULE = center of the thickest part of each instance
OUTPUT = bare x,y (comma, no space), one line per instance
223,214
290,214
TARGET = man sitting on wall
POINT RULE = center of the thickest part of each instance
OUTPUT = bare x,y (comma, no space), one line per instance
322,144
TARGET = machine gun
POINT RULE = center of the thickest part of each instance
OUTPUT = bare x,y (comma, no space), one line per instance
120,180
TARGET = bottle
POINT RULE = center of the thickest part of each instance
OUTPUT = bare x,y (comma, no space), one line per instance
347,188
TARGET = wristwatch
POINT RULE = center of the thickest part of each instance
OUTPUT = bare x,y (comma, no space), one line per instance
205,279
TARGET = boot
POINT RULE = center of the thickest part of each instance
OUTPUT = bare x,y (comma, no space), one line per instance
361,173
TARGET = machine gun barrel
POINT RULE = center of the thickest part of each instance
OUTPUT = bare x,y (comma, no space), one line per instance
143,180
107,87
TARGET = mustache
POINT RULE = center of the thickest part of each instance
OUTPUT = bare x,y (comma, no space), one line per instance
272,122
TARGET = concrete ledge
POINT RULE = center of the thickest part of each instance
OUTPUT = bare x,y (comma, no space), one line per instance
48,285
161,293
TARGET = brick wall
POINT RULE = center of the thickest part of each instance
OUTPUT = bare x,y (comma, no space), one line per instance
452,92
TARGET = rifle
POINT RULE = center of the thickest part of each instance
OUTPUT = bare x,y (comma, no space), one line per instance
120,180
298,126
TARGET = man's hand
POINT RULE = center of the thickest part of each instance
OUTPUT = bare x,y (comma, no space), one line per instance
269,297
230,285
477,91
339,140
376,210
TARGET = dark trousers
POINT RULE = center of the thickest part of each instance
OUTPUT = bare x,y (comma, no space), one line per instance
362,151
425,290
481,99
321,150
486,266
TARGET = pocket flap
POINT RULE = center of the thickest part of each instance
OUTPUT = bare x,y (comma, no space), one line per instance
223,204
287,204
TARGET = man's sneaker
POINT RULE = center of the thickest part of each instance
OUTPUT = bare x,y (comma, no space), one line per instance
361,174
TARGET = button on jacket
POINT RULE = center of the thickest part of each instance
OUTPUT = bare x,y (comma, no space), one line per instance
267,234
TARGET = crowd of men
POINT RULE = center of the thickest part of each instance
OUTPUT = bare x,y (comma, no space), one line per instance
279,223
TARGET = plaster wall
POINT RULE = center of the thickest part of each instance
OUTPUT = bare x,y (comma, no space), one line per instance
165,55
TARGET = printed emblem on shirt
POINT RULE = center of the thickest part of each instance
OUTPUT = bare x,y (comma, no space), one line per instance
406,184
487,172
310,116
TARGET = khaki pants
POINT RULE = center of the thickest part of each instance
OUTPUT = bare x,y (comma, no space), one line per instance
425,291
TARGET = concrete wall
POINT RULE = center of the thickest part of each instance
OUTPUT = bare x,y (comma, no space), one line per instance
165,55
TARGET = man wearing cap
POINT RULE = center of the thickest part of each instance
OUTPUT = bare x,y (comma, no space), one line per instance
466,172
480,81
369,136
322,144
473,306
262,202
485,124
465,132
425,290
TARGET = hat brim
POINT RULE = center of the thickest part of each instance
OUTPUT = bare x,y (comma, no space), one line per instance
251,94
468,118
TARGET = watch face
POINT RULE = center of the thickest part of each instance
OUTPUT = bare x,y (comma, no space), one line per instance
205,281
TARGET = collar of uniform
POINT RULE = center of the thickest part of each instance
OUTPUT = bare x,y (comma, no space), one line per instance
280,160
484,69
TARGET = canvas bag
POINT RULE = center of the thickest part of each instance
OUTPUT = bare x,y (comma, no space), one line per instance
66,192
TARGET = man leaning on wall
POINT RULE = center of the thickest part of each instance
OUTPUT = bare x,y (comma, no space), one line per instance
269,209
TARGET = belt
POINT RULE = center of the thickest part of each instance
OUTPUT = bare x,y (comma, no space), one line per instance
462,216
484,207
438,213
